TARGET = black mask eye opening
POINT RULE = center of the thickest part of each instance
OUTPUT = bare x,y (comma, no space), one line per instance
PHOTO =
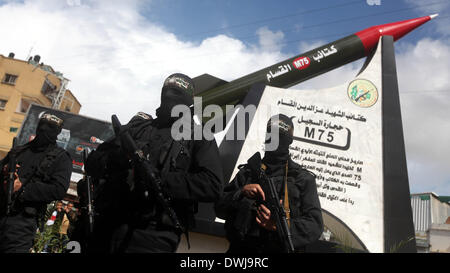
172,97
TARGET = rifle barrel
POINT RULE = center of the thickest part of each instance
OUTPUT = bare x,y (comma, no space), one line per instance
89,193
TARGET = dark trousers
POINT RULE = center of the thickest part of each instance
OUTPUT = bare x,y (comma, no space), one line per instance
149,240
17,233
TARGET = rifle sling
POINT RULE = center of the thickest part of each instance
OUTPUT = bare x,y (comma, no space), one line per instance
286,208
173,152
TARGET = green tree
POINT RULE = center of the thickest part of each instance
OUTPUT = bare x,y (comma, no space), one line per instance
49,239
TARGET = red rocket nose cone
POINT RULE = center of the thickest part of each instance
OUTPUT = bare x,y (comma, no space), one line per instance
400,29
370,36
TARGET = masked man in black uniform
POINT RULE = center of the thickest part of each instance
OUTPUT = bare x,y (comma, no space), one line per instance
190,171
42,176
249,225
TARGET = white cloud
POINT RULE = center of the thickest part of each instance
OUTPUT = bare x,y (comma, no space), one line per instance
423,70
307,46
425,177
428,7
117,61
268,40
424,65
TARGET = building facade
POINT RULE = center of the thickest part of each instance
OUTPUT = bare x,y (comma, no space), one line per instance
24,83
431,216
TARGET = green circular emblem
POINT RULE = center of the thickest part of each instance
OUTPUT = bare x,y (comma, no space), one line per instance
362,93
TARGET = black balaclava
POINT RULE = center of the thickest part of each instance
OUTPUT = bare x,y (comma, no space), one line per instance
178,89
137,124
285,128
47,131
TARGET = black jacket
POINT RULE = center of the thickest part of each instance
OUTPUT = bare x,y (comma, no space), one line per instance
194,173
50,183
244,233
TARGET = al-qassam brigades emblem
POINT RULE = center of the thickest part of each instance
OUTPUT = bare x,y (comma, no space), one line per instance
362,93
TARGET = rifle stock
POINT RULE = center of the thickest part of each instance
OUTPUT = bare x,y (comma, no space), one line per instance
11,177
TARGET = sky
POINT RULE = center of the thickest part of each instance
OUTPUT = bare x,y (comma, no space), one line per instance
118,53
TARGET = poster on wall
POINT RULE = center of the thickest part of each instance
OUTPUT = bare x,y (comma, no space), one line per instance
78,133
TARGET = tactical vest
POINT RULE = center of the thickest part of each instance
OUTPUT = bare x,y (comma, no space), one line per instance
169,155
42,172
241,225
50,157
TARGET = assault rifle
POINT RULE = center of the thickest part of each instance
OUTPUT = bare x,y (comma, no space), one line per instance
272,202
90,207
11,177
150,177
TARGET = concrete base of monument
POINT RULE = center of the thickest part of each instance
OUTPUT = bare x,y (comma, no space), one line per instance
203,243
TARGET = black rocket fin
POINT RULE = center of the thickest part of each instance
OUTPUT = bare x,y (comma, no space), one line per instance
205,82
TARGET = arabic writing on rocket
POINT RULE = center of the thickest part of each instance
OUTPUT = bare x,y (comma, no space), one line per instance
282,69
324,53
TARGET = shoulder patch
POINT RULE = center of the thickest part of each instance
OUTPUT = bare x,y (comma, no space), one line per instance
144,115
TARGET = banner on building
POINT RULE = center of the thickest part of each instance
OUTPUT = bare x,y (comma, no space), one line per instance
78,133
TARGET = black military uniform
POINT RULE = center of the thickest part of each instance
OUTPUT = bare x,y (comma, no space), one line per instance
108,168
190,170
243,214
44,172
81,228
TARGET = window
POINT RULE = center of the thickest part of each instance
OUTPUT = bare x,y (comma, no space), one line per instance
67,104
3,104
23,106
10,79
13,129
48,88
